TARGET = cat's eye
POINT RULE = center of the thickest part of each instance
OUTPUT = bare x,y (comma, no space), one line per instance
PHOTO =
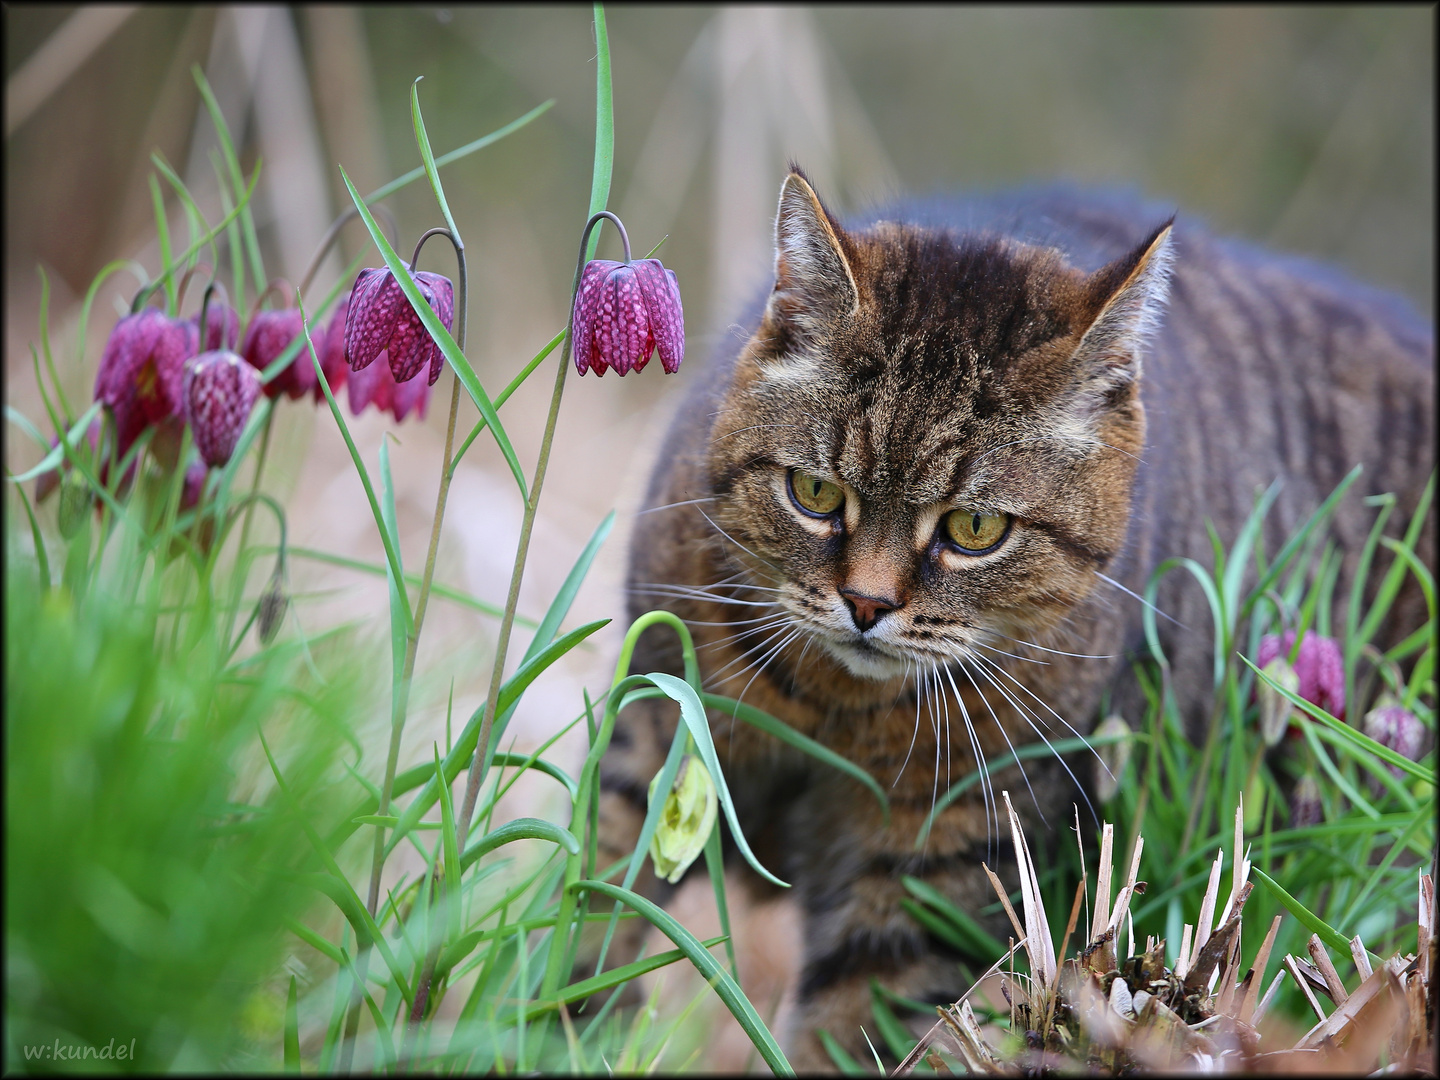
819,498
976,533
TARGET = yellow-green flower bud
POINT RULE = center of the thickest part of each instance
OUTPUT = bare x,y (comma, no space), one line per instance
1111,758
75,502
685,821
1274,706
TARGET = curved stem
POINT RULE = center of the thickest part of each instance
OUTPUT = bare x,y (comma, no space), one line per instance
412,642
502,644
328,240
204,268
275,285
205,309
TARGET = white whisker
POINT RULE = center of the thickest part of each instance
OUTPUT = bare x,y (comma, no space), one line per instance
1137,596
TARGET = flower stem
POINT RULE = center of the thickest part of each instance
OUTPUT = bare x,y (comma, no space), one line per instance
412,643
502,644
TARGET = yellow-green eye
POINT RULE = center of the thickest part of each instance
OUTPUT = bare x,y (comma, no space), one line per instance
813,495
975,532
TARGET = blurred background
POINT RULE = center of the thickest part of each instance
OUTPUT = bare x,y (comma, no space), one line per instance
1309,129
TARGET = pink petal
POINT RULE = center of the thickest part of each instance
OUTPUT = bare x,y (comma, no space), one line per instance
662,304
371,319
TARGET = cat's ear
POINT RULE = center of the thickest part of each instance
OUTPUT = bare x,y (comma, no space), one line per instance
1128,298
813,281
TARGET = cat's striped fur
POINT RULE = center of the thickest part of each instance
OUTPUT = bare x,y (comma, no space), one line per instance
1015,358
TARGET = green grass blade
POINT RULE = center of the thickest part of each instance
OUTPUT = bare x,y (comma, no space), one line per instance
53,455
539,765
392,555
450,845
715,866
504,395
464,749
432,172
897,1040
976,941
693,713
847,1065
315,941
105,271
40,557
1282,559
459,152
232,160
447,591
560,606
604,126
399,624
1308,918
162,234
292,1030
763,721
45,347
725,987
520,829
463,371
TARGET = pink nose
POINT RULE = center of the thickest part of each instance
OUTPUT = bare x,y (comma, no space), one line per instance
866,610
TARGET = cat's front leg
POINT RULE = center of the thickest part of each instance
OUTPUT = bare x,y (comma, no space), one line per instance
848,867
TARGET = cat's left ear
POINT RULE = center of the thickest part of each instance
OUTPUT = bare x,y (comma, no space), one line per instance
1128,297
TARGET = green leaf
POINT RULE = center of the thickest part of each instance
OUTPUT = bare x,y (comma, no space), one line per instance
693,713
292,1030
757,718
227,148
521,829
504,395
447,591
463,371
711,969
315,941
539,765
964,932
40,556
392,556
1308,918
450,844
459,152
54,455
847,1065
432,172
162,233
604,126
897,1039
560,606
464,749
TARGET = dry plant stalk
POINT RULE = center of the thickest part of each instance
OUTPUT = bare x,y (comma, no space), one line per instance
1098,1013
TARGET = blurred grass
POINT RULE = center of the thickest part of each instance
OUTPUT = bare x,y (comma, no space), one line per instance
148,873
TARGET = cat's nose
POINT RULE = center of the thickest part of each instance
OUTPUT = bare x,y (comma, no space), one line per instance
866,610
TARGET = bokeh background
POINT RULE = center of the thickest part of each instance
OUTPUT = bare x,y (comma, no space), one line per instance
1308,129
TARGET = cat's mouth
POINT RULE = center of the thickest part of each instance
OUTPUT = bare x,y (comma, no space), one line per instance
866,659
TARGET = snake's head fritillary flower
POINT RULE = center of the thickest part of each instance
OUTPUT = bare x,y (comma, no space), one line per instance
141,371
375,385
380,319
1319,665
220,391
624,312
1391,724
330,347
270,334
685,821
222,327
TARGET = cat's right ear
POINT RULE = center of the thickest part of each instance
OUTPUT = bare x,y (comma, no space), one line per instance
814,285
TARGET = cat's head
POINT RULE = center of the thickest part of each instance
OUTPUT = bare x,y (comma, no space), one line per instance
930,441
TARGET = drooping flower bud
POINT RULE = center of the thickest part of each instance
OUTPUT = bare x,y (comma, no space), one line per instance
141,371
1306,809
1319,664
1111,758
75,503
623,313
374,385
222,327
685,821
271,609
220,391
270,334
1391,724
1275,708
380,319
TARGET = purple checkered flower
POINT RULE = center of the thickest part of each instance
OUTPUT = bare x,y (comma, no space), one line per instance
220,391
222,327
141,371
381,320
1318,664
624,312
1391,724
270,334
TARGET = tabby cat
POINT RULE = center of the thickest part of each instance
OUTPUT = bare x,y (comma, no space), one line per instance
910,516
